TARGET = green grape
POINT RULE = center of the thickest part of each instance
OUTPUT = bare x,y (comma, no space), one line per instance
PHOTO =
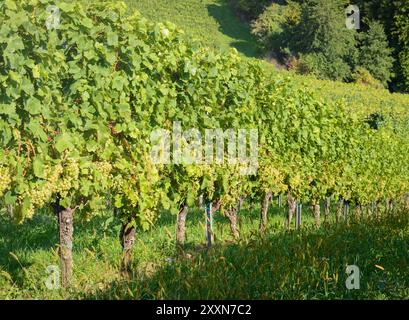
5,180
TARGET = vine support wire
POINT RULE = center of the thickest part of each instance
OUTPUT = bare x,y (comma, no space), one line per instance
209,224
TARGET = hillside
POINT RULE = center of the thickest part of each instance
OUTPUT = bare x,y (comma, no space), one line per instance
214,24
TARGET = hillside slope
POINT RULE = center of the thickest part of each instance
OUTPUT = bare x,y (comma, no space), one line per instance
212,22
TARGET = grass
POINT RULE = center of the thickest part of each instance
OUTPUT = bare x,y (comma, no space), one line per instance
306,264
212,22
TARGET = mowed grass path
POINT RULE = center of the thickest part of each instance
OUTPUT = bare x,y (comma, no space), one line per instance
306,264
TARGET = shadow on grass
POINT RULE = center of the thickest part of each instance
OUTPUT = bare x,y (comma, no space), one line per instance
232,27
310,264
38,233
19,241
41,232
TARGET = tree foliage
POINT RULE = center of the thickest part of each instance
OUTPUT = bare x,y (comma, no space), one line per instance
375,55
313,34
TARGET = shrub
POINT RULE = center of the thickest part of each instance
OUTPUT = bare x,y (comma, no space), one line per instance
364,77
323,67
273,26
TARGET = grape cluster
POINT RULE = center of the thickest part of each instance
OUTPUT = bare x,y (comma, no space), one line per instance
23,212
40,195
104,168
52,173
72,169
5,180
117,183
30,211
70,174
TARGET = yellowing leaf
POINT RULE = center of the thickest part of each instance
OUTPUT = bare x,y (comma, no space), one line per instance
36,71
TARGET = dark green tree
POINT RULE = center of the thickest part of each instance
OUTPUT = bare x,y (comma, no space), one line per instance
402,33
324,41
375,54
394,16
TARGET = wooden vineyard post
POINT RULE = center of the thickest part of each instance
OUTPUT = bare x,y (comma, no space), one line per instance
327,209
370,209
387,205
209,224
181,226
280,200
65,234
376,209
291,209
127,237
346,209
264,211
340,204
231,214
359,211
317,213
298,210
